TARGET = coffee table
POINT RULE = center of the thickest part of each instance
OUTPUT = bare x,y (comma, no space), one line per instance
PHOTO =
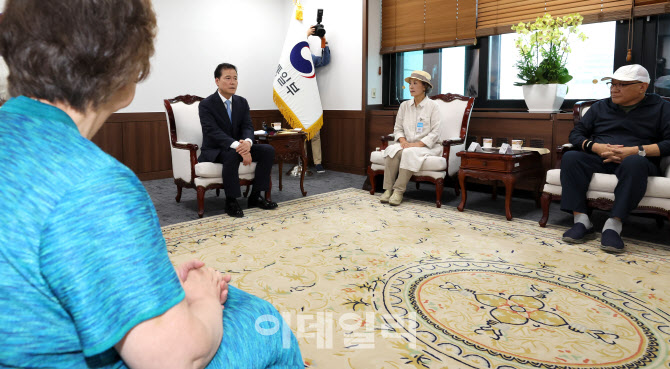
508,168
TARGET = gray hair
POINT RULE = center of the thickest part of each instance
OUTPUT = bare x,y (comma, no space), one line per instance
428,87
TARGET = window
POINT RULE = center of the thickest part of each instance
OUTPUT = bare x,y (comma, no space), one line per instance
662,73
412,60
453,70
487,72
588,62
449,68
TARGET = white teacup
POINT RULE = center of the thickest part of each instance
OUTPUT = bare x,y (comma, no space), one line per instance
517,144
487,143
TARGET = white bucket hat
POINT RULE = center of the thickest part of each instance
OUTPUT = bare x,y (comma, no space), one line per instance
633,72
421,76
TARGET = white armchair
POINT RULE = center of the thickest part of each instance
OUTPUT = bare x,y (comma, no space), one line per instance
185,139
600,194
455,118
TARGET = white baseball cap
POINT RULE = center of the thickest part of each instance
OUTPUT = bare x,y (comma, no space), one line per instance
633,72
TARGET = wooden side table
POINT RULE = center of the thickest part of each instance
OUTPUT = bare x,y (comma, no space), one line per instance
508,168
288,146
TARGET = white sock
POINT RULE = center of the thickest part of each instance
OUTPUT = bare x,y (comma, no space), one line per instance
584,219
613,224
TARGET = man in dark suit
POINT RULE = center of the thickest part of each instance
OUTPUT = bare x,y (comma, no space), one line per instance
227,138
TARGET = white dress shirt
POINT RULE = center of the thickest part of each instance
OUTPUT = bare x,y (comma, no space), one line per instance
235,144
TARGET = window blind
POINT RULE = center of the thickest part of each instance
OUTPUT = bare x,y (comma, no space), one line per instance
651,7
409,25
496,16
649,2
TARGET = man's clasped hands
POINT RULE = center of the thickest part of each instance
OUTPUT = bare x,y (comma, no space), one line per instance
244,149
614,153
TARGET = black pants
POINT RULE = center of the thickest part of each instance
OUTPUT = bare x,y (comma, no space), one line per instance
262,154
578,167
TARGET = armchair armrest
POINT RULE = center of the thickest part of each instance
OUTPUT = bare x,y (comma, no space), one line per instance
560,151
390,137
665,166
193,149
453,141
385,140
185,146
565,147
448,143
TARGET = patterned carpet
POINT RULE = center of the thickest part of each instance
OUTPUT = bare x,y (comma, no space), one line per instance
365,285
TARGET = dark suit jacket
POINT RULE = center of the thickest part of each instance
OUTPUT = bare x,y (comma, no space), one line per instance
218,132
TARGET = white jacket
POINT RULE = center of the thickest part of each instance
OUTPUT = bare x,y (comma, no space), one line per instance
416,123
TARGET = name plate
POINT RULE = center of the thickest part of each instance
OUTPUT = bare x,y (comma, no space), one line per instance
505,149
475,147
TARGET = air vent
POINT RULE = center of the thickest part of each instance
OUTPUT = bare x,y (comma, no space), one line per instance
501,140
536,142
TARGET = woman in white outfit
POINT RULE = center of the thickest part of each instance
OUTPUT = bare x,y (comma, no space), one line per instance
417,132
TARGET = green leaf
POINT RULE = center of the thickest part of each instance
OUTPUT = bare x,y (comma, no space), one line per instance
564,79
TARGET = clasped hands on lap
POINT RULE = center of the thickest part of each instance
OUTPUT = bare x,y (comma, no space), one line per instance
406,145
244,149
613,153
199,282
616,153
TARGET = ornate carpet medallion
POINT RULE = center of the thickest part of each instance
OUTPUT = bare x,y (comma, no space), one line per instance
534,317
364,285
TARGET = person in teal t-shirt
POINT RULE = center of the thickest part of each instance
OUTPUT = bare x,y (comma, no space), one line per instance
85,279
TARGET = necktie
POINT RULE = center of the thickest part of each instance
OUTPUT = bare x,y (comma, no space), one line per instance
228,108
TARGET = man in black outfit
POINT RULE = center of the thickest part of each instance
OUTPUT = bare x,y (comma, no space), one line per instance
227,138
625,135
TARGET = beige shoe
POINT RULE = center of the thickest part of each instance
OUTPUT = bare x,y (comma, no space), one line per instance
396,198
386,196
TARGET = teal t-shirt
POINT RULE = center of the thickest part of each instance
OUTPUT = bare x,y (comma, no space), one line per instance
82,256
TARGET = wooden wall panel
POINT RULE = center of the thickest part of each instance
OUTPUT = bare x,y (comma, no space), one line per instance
110,139
140,141
563,124
341,128
513,126
146,149
343,141
536,127
267,116
379,123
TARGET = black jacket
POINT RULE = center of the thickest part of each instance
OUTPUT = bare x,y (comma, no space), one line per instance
605,122
218,133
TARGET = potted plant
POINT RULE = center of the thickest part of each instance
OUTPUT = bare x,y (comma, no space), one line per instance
544,47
